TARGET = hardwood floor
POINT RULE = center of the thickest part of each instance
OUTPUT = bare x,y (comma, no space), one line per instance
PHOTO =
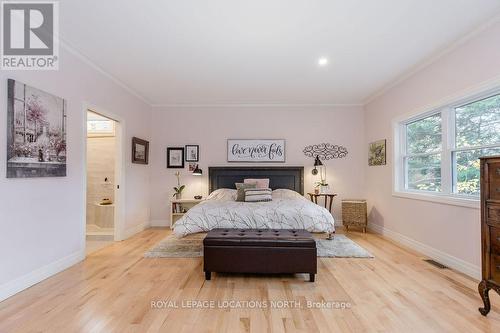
112,291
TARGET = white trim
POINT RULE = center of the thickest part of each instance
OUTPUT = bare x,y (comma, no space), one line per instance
467,94
120,165
129,232
433,253
250,105
14,286
431,60
444,107
453,200
96,67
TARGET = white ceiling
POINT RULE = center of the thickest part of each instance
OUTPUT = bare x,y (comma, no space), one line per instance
264,51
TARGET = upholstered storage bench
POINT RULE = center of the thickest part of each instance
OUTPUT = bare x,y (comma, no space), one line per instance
266,251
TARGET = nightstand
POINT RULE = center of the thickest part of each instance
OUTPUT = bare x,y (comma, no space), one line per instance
327,196
179,207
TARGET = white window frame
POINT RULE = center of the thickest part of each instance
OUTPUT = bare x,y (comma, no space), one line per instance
448,149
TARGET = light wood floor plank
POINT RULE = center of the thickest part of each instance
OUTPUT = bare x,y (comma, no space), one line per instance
112,290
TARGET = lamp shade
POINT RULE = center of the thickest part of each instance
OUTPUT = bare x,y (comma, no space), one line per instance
197,171
317,161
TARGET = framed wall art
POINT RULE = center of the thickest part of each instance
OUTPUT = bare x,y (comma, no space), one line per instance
36,132
175,157
140,151
377,154
192,153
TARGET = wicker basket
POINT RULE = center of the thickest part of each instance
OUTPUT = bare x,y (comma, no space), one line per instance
354,214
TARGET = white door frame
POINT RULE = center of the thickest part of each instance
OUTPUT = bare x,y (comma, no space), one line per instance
119,202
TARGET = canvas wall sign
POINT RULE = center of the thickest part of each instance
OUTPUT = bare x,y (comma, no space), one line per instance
377,153
264,151
36,132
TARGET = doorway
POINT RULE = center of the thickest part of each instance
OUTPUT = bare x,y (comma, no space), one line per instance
103,164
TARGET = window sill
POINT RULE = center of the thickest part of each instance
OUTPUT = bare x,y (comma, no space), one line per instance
438,198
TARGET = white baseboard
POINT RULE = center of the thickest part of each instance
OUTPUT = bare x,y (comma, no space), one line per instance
129,232
433,253
13,287
160,223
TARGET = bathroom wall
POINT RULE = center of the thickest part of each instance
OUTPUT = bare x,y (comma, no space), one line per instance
101,153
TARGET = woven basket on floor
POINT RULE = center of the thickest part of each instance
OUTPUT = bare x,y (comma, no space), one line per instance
354,214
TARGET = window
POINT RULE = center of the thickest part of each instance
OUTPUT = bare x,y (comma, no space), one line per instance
439,151
477,133
423,154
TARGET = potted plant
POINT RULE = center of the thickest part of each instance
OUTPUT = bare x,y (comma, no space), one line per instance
179,188
323,187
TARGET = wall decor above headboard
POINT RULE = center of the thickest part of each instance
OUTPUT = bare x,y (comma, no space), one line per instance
288,177
325,151
251,150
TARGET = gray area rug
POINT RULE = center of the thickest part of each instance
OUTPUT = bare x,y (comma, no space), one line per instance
192,247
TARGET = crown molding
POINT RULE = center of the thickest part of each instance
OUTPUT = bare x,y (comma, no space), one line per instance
432,59
103,72
251,105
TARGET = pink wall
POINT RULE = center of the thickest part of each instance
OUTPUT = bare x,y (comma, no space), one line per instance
210,127
449,232
42,220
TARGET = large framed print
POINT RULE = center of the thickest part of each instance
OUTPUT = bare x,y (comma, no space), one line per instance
36,132
252,150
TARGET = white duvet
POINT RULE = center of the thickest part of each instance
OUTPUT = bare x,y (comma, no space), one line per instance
287,210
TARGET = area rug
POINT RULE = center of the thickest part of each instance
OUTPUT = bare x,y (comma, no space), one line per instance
192,247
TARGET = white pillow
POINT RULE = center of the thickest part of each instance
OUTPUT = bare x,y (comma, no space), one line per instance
283,193
225,194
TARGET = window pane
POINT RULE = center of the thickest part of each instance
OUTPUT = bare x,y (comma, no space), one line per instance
424,136
467,169
424,172
478,123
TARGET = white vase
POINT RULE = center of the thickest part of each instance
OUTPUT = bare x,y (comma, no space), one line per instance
324,189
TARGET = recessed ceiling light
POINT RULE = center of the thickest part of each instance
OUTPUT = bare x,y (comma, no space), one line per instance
323,61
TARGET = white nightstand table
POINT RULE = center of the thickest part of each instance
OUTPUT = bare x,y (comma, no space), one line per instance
178,207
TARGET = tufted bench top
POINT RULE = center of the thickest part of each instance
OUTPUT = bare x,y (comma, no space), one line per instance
259,238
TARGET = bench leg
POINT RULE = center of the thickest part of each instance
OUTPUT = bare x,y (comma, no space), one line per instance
311,277
208,275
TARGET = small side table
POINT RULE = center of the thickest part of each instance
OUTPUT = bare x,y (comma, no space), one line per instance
327,196
179,207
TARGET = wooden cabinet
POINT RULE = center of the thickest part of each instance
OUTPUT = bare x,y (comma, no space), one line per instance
490,229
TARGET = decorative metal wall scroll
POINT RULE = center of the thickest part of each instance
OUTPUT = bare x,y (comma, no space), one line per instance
325,151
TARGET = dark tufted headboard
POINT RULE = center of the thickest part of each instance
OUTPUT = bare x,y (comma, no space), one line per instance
291,178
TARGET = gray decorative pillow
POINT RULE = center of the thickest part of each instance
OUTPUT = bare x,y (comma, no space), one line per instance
240,187
258,194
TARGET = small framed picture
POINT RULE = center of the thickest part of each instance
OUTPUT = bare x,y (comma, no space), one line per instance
175,157
140,151
377,153
192,153
192,166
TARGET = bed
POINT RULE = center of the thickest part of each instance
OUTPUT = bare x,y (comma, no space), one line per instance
288,209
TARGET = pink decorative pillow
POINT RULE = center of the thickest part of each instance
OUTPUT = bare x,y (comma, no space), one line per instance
260,183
